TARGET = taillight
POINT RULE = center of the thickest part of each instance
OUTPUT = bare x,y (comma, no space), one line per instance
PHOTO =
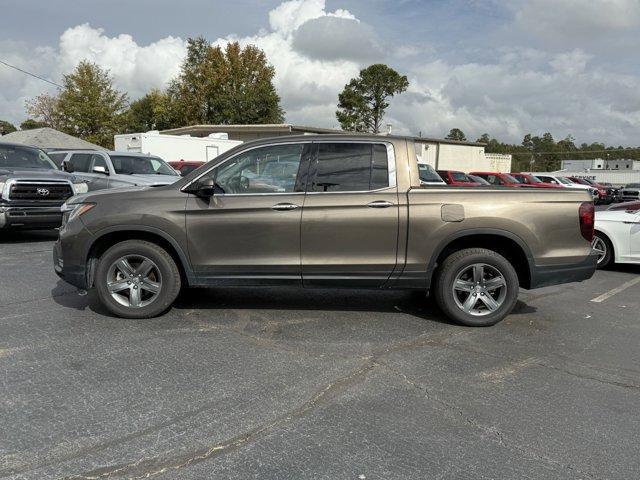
587,215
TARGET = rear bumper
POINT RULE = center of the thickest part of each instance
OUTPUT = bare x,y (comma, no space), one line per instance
30,216
544,276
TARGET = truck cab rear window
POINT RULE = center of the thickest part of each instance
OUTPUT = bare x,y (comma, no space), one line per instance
350,167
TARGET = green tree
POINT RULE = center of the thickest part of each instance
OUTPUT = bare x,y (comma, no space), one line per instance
484,138
456,134
6,127
30,124
230,86
89,105
152,112
363,102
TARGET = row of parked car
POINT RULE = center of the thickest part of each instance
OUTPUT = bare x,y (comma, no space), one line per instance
602,193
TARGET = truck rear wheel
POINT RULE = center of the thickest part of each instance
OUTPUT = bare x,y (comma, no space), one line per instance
476,287
137,279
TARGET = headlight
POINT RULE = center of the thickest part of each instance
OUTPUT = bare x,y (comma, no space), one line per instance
80,188
74,210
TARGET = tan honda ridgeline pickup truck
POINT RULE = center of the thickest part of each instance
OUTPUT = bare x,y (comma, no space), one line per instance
324,211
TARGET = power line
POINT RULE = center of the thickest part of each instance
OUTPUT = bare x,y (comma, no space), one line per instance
31,74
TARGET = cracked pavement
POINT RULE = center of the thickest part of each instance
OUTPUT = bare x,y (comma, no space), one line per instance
245,383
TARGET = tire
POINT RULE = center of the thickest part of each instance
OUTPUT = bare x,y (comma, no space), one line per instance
116,280
460,268
601,241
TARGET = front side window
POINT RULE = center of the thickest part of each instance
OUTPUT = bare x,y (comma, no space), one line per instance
270,169
99,161
350,167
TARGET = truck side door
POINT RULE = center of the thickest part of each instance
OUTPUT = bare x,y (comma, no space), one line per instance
349,233
248,232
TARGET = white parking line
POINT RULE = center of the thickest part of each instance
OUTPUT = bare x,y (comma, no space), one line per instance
616,290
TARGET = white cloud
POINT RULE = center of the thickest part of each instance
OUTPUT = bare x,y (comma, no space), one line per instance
574,21
134,68
570,63
565,89
507,99
309,77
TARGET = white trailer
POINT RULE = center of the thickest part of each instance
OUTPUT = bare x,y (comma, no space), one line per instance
618,178
173,148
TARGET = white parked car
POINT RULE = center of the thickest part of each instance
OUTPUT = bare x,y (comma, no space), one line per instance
617,236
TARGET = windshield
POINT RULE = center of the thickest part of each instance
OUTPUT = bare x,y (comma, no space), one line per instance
24,157
633,185
459,177
138,165
565,181
510,178
428,174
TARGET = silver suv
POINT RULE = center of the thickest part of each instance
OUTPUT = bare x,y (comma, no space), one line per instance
107,169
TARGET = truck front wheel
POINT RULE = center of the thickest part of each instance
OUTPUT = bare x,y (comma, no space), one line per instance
137,279
476,287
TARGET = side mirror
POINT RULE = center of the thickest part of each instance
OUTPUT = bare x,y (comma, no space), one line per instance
204,188
100,169
67,167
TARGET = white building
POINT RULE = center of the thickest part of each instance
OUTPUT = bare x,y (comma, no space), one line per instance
441,154
600,164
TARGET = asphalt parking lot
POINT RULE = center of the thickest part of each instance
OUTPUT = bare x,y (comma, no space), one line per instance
326,384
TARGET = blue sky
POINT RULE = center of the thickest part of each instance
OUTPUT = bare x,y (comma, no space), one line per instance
506,68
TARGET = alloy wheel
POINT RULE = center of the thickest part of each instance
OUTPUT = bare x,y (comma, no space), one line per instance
479,289
599,246
134,281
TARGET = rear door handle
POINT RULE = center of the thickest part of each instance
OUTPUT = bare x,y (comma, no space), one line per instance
283,207
380,204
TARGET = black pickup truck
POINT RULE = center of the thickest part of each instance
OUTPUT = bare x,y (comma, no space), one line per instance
32,189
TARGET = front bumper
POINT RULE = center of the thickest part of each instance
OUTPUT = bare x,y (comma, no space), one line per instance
30,216
70,254
544,276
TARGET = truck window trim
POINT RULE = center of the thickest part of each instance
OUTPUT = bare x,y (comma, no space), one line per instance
391,164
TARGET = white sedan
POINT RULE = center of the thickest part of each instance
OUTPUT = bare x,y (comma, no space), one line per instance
617,236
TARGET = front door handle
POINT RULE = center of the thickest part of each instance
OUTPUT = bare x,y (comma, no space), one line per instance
380,204
283,207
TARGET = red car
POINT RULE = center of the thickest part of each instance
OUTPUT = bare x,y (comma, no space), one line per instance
533,181
497,178
603,194
457,179
185,166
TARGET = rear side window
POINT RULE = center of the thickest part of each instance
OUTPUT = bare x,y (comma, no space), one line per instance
80,162
494,180
350,167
